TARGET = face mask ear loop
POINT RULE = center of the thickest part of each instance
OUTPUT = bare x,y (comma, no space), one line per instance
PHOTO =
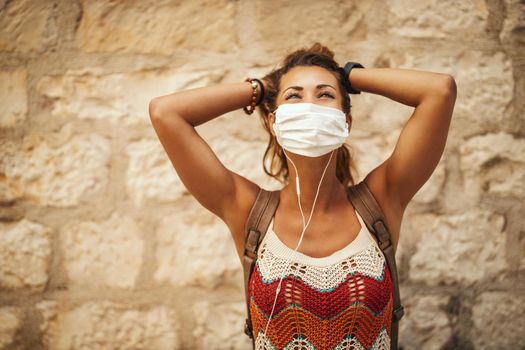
302,233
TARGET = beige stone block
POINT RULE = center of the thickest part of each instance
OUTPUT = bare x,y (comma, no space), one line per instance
220,326
28,26
13,97
54,175
194,247
464,249
437,19
513,23
9,324
150,176
108,325
25,254
161,27
521,248
485,87
493,163
425,324
122,98
498,320
108,253
286,26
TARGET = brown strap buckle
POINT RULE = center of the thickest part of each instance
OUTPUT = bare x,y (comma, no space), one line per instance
398,313
382,233
252,242
248,329
385,244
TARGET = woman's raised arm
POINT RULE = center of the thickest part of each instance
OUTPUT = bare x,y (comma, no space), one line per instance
422,139
174,117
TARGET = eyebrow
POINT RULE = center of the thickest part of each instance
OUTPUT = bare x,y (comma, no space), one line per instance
300,88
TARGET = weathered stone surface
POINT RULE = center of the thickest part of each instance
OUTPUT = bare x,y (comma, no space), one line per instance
514,23
493,163
150,174
165,28
103,254
9,325
498,321
220,324
49,175
459,249
25,253
425,324
94,66
336,22
521,248
28,26
437,19
109,325
122,98
195,248
479,106
13,97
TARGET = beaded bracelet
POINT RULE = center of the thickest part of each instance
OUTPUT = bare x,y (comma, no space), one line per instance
249,109
260,98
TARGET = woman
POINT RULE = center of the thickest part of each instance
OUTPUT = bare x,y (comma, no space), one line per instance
336,290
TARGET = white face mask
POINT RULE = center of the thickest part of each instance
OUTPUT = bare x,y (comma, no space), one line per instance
310,129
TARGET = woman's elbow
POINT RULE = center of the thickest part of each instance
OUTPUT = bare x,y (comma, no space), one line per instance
154,108
448,87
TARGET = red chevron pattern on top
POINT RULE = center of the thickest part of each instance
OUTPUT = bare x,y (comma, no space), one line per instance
325,319
323,304
355,312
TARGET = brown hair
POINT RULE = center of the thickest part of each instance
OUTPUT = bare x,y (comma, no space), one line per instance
316,55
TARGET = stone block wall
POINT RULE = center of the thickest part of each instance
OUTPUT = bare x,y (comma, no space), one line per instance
101,245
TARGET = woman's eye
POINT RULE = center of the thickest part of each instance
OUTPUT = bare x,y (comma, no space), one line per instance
296,95
292,95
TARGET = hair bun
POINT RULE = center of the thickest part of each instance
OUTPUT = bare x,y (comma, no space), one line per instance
317,49
320,48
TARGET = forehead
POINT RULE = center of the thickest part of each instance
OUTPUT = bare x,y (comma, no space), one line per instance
307,77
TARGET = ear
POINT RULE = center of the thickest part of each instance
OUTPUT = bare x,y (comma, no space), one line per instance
271,121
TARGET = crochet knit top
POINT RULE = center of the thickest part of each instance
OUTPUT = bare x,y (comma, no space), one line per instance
342,301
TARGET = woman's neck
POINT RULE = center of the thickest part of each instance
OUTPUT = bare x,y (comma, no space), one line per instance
310,173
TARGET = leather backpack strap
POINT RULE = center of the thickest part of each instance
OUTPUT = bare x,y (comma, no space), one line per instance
255,229
367,206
